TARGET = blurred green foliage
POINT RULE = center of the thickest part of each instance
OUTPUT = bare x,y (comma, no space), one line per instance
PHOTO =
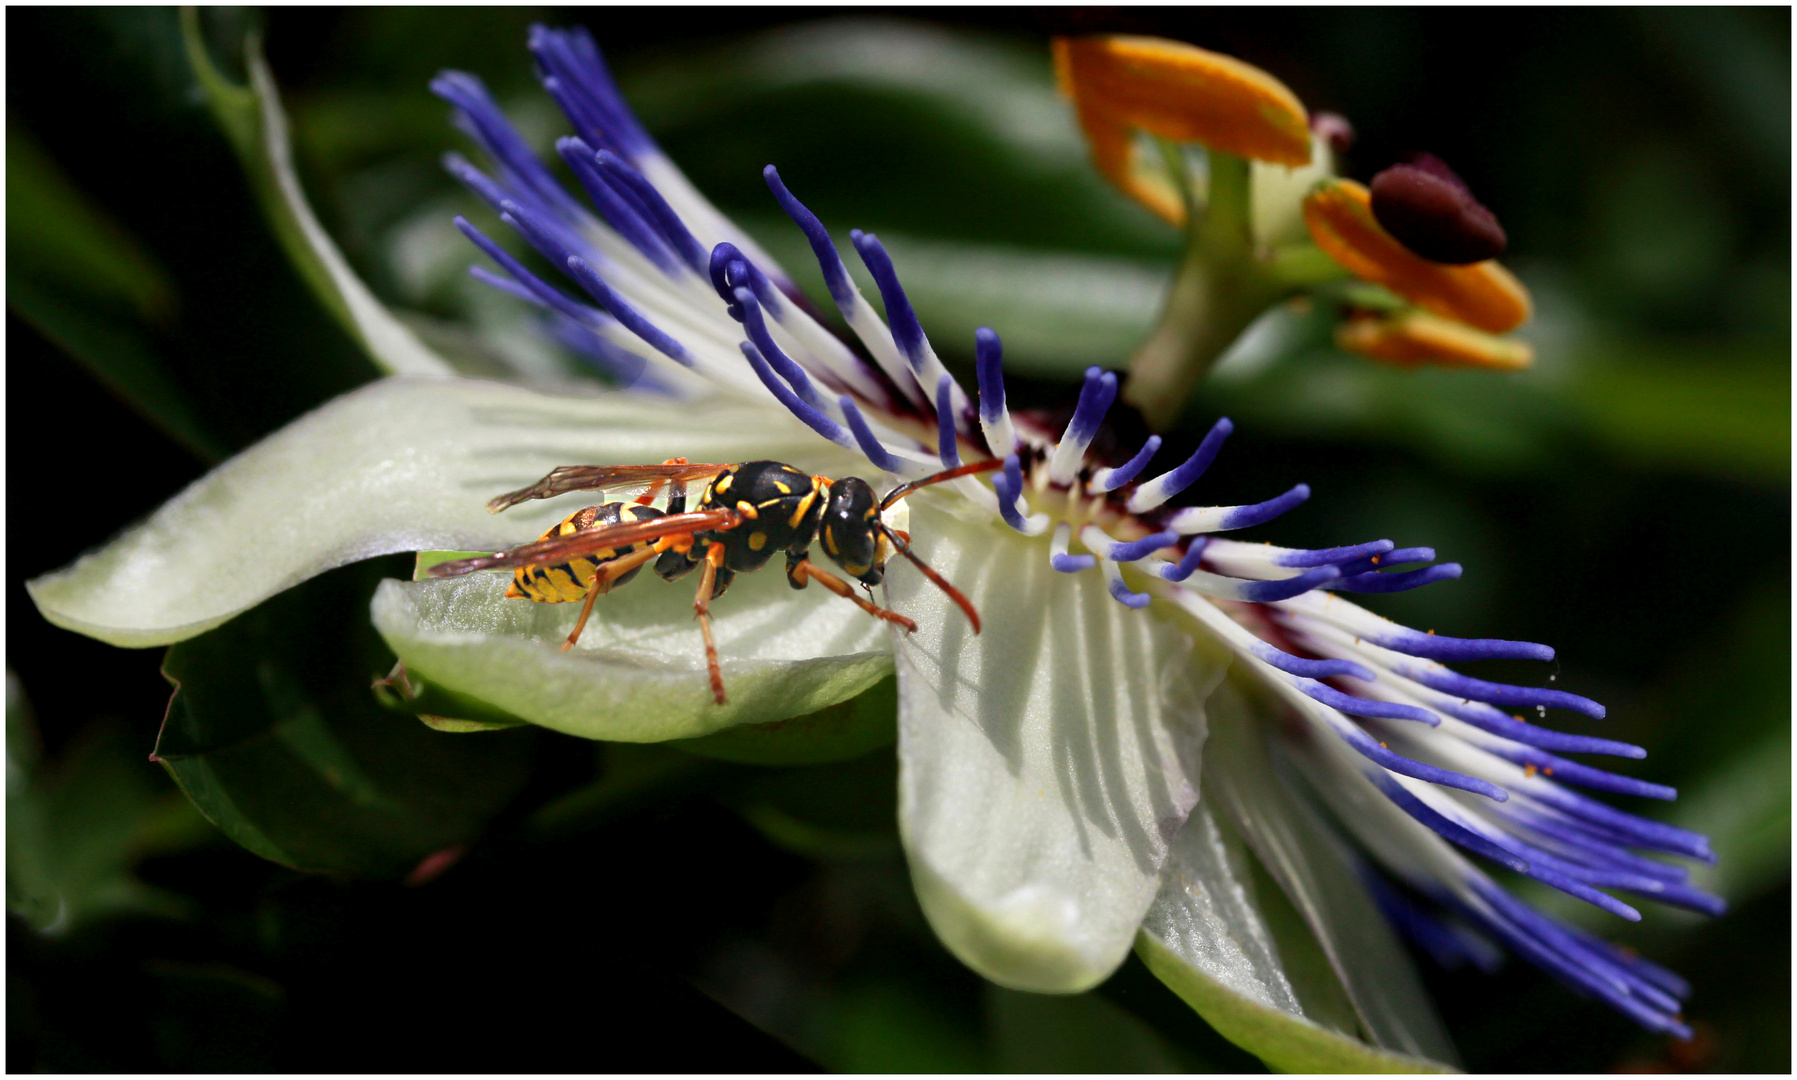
647,908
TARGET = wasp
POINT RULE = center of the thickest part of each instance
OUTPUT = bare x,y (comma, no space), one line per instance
748,512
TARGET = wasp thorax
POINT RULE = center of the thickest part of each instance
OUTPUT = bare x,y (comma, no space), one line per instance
850,531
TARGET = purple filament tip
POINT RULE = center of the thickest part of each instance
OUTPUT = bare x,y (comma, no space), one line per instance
1189,561
907,332
1123,595
1260,513
632,319
535,287
946,437
1443,825
775,356
1267,592
673,230
1095,398
620,207
1436,647
1359,706
836,276
1334,555
1311,669
1009,486
1376,752
1071,564
812,419
988,356
871,446
1375,582
1132,468
1132,550
1463,686
1396,557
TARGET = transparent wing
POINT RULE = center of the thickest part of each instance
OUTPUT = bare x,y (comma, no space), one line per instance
610,479
560,549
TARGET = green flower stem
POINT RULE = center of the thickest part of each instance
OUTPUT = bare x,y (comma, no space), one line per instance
1219,288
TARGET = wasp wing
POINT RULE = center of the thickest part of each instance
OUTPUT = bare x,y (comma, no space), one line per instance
560,549
609,479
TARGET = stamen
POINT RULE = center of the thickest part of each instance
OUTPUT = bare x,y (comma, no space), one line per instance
1204,519
622,213
1111,479
1120,592
482,119
1009,485
1170,483
730,269
1571,772
621,309
1057,552
946,437
1095,398
534,288
1376,582
1187,564
1358,706
1463,686
1296,558
1386,560
871,446
585,89
995,419
1270,592
1125,551
907,332
673,230
776,357
1311,669
811,417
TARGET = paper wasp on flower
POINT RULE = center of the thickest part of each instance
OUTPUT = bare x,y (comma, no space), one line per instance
748,512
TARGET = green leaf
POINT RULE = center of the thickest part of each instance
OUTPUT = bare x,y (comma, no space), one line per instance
1073,1033
254,124
274,734
76,828
86,284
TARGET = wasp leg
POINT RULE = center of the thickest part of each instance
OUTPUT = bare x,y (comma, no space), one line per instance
714,558
607,573
808,569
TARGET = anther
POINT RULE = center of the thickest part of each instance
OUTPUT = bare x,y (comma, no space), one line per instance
1430,211
1095,398
1170,483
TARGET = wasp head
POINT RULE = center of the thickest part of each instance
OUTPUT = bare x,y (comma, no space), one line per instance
850,530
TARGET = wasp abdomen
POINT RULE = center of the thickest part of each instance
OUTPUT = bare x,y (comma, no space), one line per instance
561,583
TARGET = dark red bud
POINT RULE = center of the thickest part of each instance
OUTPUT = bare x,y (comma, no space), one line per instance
1431,212
1335,130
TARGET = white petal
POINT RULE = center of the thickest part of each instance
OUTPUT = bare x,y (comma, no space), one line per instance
1046,763
638,672
1318,876
399,465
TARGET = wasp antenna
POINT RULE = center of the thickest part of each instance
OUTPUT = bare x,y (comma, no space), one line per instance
903,548
958,471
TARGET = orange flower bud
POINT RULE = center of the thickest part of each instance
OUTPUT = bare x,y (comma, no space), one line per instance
1413,337
1181,92
1340,216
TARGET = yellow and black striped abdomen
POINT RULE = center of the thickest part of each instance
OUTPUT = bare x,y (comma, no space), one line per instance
561,583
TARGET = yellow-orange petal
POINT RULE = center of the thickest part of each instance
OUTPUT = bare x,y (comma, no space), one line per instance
1115,154
1410,338
1182,92
1340,216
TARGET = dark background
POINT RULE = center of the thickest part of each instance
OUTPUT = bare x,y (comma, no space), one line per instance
1640,162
